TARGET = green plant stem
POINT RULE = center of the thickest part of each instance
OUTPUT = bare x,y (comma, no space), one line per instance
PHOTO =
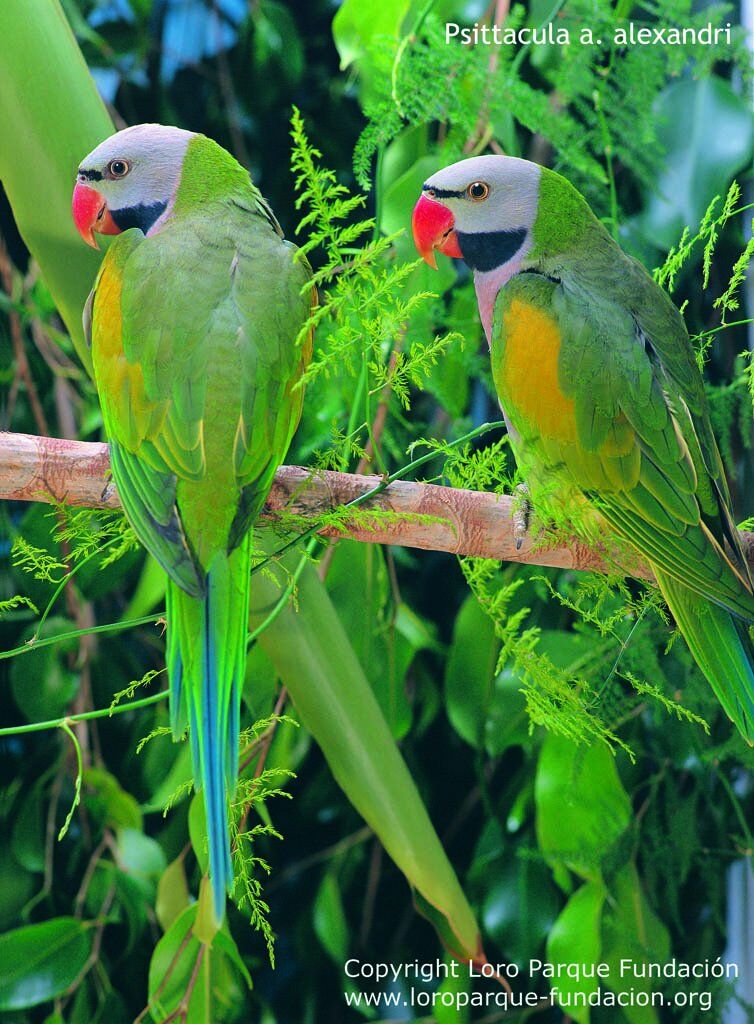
79,774
85,716
357,401
283,599
110,627
724,327
378,200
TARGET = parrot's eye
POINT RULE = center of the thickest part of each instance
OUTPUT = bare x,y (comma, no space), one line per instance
478,190
118,168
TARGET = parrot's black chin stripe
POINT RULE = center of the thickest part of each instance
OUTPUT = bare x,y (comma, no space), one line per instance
486,250
142,216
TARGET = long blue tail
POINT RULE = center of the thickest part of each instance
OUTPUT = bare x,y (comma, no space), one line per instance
206,659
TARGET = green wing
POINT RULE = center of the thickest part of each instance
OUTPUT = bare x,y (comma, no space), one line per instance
193,336
641,448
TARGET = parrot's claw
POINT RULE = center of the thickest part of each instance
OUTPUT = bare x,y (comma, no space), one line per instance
521,515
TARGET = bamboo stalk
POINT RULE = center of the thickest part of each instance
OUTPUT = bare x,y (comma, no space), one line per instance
463,522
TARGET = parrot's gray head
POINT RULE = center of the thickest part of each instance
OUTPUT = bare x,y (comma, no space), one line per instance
129,180
481,209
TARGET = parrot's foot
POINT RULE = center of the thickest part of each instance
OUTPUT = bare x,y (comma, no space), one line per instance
521,515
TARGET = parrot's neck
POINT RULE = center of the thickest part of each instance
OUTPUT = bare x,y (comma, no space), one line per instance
209,174
488,286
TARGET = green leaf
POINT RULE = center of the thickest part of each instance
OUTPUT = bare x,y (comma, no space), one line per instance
311,652
582,807
708,134
141,857
277,41
216,995
43,683
356,24
172,893
518,900
171,968
106,798
359,588
167,784
469,671
485,710
450,1012
576,938
198,831
329,919
28,842
632,931
40,961
226,944
52,129
16,887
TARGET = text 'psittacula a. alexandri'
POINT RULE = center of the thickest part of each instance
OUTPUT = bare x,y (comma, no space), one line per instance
602,394
193,321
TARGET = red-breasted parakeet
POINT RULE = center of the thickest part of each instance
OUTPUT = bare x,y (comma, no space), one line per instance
602,394
193,321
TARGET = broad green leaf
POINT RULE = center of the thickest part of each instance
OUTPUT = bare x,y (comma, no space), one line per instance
149,592
708,133
518,899
171,968
216,995
198,830
167,785
454,985
632,931
105,797
43,682
51,110
311,652
486,710
384,637
357,24
576,938
359,589
582,807
39,962
225,943
141,857
16,887
277,42
28,842
172,893
329,919
469,671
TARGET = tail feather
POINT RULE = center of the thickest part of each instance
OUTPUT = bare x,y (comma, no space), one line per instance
206,659
721,646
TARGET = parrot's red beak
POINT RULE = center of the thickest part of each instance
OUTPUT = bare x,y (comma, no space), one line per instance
90,214
432,224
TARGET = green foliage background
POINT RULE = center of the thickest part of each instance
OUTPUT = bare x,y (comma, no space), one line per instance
587,790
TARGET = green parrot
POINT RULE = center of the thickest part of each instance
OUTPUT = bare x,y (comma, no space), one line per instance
193,321
602,396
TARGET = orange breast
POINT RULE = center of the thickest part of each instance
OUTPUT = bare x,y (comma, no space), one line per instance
526,374
119,383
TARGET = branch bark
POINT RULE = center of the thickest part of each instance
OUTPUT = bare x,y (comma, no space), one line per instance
474,523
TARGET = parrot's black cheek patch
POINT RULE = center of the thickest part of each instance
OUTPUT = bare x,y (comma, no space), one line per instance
142,216
486,250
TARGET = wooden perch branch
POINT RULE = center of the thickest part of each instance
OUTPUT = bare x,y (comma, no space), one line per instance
472,522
